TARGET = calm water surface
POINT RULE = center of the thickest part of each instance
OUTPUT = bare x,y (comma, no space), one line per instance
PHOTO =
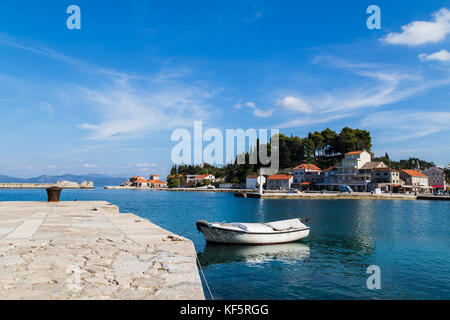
408,240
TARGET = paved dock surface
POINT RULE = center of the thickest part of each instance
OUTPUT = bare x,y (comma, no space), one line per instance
88,250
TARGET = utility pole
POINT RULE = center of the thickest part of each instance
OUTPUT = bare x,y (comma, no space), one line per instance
390,176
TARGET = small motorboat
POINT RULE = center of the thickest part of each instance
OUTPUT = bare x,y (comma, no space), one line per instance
254,233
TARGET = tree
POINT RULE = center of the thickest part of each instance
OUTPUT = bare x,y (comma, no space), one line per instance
347,141
363,140
329,137
173,182
319,143
309,148
447,174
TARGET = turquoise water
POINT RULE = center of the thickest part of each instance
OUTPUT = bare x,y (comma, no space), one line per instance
408,240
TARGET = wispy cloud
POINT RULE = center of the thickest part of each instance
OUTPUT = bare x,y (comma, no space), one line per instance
422,32
400,125
128,104
295,104
90,166
379,85
256,111
146,165
129,108
443,56
13,42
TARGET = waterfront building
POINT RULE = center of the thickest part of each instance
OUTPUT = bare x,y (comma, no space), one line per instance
306,175
348,170
365,174
279,182
190,179
436,178
415,181
202,177
253,181
330,180
386,179
141,182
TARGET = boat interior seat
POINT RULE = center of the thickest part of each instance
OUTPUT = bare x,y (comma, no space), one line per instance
286,225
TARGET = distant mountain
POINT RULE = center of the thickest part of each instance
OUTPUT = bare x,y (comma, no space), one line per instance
98,179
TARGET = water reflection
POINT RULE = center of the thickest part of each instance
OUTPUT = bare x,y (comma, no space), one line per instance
223,254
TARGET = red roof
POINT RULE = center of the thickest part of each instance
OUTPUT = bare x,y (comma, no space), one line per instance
280,177
355,152
202,176
150,181
254,176
307,166
305,183
414,173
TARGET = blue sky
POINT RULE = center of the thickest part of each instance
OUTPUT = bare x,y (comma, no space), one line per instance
106,98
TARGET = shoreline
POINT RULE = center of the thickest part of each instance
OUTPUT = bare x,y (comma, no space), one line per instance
273,194
325,196
32,186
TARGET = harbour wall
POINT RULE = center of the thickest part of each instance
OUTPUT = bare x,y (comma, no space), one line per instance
40,186
90,251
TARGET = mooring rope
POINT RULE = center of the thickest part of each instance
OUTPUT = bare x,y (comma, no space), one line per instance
204,278
199,265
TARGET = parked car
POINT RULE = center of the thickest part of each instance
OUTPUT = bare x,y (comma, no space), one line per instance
345,188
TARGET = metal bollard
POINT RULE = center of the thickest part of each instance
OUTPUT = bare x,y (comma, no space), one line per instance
53,194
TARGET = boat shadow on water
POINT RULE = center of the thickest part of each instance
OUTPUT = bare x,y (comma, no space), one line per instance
214,254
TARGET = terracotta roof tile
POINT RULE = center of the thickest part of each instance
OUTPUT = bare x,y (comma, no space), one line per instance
307,166
414,173
280,177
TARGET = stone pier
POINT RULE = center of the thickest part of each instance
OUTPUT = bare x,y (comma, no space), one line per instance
88,250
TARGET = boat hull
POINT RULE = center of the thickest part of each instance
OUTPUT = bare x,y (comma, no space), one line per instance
217,235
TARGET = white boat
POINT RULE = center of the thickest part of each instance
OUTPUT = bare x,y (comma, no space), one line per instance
254,233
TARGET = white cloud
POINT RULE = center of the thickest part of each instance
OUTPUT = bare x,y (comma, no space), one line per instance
378,86
400,125
422,32
90,166
146,165
442,55
131,107
256,111
295,104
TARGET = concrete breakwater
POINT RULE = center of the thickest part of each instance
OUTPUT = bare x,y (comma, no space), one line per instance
274,194
88,250
64,185
176,189
354,196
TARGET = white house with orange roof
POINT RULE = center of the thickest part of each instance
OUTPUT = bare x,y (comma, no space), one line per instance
202,177
306,175
415,181
153,182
